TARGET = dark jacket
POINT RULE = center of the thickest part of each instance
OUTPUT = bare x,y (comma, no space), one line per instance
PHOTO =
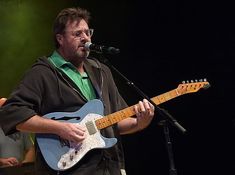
44,89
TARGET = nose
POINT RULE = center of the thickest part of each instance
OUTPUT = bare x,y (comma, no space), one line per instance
85,38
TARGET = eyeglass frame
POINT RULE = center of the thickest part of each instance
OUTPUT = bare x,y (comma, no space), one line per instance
78,33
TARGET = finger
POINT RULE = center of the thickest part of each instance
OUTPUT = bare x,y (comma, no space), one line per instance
141,107
80,127
152,109
136,110
80,132
9,164
78,138
75,138
149,107
13,160
146,104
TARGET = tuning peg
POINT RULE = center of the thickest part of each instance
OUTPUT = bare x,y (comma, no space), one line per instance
183,82
192,81
187,81
196,80
205,79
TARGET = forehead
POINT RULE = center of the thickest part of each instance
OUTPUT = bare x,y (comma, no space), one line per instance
77,24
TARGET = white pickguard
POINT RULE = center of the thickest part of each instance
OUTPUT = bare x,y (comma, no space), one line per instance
78,151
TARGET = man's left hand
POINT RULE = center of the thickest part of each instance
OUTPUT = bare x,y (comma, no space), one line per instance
144,111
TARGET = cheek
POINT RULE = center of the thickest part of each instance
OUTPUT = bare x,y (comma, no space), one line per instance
75,43
72,44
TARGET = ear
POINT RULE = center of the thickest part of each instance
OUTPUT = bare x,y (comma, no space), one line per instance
59,38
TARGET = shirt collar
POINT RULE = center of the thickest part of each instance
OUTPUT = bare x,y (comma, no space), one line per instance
59,61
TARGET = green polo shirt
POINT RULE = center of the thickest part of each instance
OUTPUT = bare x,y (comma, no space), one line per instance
81,80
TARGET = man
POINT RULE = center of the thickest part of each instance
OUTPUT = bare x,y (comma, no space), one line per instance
15,149
66,81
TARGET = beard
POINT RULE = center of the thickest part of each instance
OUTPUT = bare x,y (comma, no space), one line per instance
78,57
82,53
75,55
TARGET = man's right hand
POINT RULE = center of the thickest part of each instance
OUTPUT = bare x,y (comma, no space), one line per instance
72,132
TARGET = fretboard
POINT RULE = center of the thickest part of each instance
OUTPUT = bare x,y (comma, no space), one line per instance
129,112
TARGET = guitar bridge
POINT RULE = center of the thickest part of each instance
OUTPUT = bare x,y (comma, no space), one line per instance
90,127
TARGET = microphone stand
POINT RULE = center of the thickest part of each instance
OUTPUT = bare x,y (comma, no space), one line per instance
165,114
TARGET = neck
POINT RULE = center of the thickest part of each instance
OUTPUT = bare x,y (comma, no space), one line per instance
80,67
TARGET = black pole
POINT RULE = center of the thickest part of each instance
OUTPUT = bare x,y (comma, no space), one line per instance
168,143
168,118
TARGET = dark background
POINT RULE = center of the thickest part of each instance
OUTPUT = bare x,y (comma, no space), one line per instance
162,43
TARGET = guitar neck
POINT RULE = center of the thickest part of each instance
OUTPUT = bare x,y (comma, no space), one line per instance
129,112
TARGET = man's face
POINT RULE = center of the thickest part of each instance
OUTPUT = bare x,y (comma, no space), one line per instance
72,41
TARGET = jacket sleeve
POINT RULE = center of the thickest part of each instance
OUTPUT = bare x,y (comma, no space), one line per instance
22,103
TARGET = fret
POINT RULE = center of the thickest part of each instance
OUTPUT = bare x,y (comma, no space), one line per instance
112,119
156,100
167,96
162,98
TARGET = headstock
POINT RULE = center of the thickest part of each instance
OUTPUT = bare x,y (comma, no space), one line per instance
192,86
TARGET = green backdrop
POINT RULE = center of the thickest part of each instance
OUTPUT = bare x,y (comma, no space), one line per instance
26,33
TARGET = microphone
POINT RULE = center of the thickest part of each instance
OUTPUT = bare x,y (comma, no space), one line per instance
101,49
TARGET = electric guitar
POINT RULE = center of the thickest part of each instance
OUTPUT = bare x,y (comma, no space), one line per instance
62,155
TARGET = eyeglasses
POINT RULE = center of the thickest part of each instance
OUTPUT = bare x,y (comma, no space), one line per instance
78,33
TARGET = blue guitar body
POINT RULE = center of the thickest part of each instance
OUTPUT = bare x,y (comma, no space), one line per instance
61,156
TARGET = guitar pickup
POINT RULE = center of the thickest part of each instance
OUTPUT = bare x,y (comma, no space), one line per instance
90,127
